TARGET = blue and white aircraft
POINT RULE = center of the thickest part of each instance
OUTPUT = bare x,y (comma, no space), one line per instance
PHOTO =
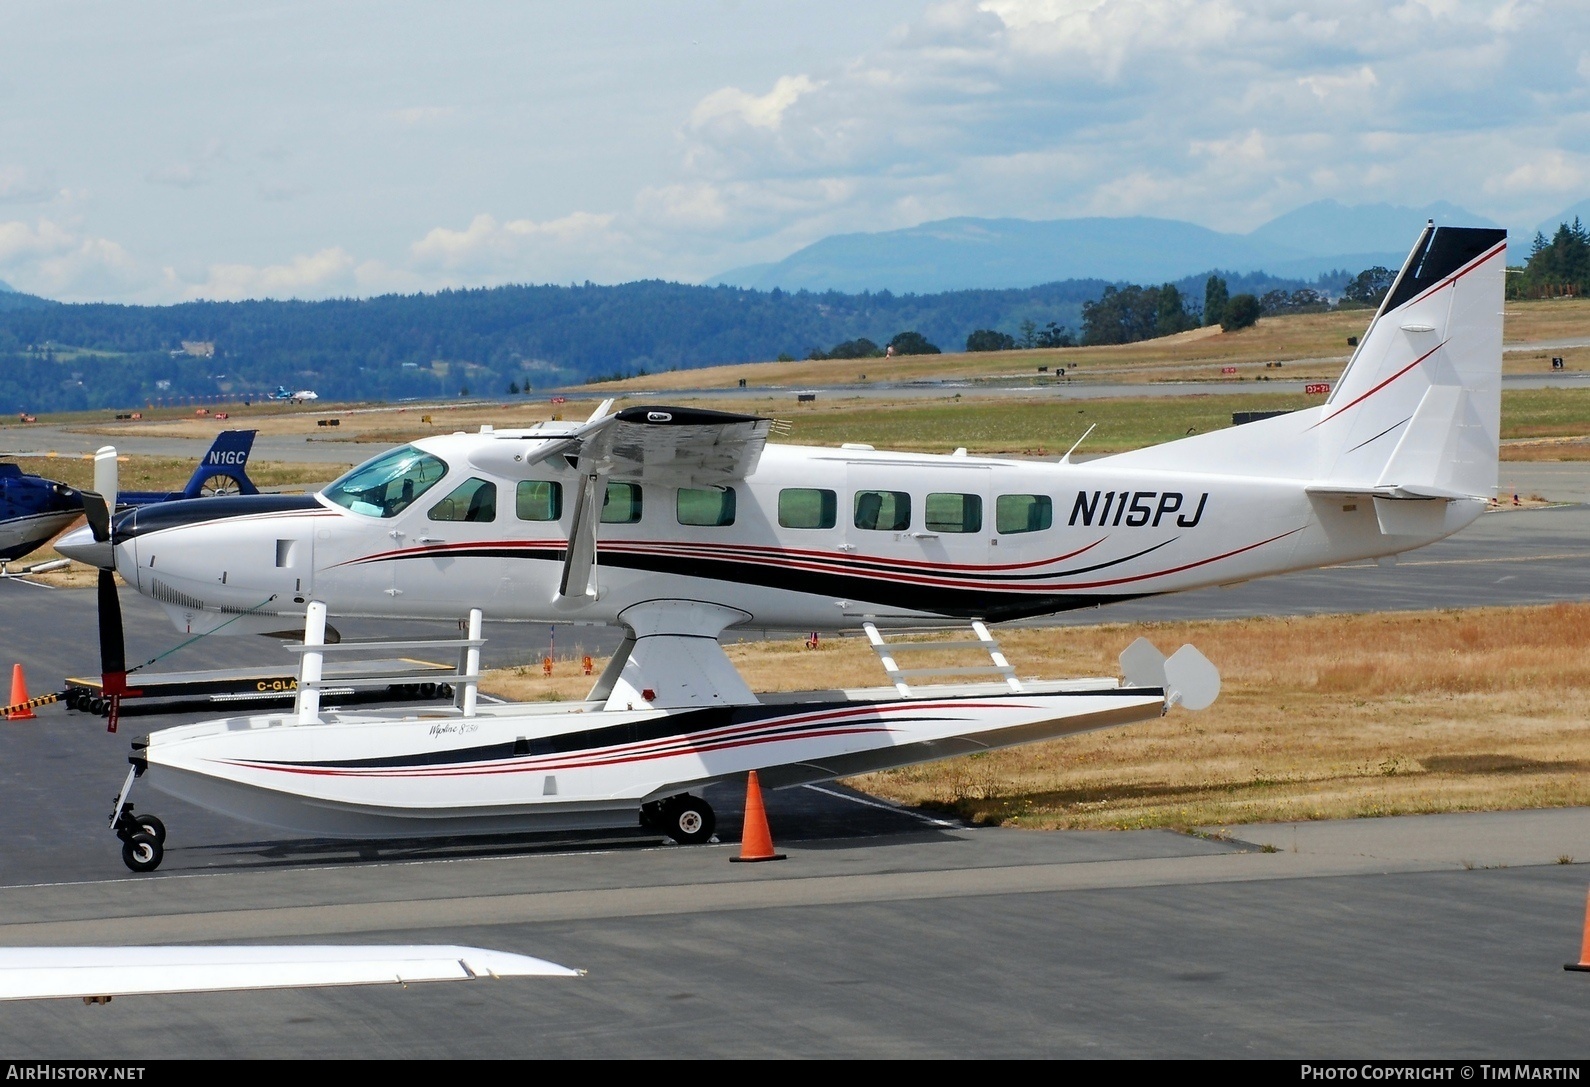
34,509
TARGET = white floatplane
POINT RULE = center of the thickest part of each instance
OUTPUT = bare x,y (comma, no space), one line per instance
679,524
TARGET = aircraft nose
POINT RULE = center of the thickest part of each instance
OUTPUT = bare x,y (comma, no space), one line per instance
79,544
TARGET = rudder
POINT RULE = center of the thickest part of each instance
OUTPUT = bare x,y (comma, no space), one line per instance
1419,405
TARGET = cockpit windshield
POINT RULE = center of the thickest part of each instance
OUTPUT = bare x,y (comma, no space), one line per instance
385,486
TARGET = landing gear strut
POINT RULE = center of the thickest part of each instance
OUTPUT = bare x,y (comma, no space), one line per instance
686,819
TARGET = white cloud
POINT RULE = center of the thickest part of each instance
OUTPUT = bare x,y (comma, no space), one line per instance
764,111
318,275
1550,171
55,261
521,249
1226,112
1325,87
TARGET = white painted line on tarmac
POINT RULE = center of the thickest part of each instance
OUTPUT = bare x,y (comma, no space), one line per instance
928,819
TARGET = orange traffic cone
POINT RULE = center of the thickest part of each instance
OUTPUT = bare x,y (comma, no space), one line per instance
1584,949
19,696
756,843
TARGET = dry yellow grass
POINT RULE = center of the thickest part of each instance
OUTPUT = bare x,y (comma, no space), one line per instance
386,423
1313,346
1319,717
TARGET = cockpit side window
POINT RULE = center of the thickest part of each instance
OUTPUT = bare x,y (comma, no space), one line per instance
387,485
472,500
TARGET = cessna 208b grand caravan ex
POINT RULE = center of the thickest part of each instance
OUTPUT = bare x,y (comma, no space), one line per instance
679,524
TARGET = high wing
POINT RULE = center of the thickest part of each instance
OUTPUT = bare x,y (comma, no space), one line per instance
97,973
676,447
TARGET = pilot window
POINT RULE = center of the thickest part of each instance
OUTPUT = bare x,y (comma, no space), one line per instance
807,507
538,500
953,513
1023,513
471,500
621,504
386,485
883,511
705,506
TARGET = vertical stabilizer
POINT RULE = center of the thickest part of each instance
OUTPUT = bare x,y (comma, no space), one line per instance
223,468
1419,406
1418,409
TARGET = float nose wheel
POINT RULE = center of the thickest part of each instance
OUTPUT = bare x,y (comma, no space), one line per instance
142,852
143,839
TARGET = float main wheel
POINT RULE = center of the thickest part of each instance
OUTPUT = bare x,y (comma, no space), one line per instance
689,820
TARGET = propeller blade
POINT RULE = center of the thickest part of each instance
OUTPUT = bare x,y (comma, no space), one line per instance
112,645
105,475
97,510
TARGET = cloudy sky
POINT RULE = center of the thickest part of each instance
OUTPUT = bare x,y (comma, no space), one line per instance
163,151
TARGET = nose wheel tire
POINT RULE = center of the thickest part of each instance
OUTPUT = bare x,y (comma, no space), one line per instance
143,839
142,852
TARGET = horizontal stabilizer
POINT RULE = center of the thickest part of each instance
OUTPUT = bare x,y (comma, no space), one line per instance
1392,492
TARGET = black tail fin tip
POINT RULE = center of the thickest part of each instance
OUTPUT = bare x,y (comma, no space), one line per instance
1441,252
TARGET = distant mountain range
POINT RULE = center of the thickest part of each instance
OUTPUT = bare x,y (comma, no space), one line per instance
969,254
1548,227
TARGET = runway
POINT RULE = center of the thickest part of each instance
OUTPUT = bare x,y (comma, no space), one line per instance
886,932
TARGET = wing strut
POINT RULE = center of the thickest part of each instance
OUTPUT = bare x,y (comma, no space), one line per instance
578,585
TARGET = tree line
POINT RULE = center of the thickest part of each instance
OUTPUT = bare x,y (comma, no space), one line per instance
1557,267
63,357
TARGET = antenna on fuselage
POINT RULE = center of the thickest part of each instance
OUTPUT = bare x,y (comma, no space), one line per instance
1067,458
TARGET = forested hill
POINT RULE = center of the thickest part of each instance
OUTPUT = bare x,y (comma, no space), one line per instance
58,357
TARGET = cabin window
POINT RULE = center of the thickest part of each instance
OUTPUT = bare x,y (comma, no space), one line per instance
705,506
538,500
807,507
621,504
953,513
1023,513
387,485
472,500
883,511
